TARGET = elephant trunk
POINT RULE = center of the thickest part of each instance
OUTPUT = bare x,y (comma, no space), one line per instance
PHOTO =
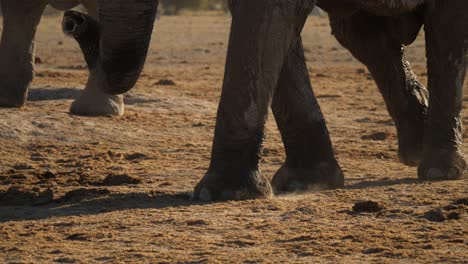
86,31
125,33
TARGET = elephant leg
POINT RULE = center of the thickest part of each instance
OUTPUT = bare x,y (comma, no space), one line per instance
375,42
446,29
20,20
92,101
310,162
262,35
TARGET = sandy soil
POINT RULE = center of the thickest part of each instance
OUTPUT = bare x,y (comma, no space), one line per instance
82,190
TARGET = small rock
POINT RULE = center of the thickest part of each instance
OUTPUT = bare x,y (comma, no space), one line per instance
329,96
461,201
306,210
48,175
77,237
242,242
82,194
23,166
361,71
367,206
37,60
165,82
382,155
379,136
457,241
136,156
435,215
453,216
26,197
198,125
165,184
197,223
86,179
320,75
66,260
121,179
373,250
428,246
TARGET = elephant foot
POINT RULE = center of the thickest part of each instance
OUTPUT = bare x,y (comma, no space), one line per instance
13,86
95,103
10,99
92,102
220,187
325,175
410,127
442,165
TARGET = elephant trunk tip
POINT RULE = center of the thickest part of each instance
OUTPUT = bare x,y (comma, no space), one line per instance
73,23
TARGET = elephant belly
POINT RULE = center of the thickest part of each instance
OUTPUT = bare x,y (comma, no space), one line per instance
64,4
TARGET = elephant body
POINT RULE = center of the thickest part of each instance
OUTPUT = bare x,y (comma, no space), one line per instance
121,50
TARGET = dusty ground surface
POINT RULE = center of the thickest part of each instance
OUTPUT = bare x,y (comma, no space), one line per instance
80,190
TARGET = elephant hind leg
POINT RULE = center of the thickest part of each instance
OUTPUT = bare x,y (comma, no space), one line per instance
20,20
446,29
377,42
262,34
310,163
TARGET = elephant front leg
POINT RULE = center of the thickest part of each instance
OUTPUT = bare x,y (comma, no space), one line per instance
310,162
92,101
376,42
262,34
447,54
20,20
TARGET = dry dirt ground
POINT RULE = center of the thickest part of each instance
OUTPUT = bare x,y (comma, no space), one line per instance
81,190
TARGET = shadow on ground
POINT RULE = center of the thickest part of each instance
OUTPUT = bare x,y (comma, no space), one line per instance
48,94
97,205
383,183
45,94
92,202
